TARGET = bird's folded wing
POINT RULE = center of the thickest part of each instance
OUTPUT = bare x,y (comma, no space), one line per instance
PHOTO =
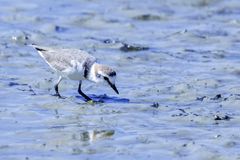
60,58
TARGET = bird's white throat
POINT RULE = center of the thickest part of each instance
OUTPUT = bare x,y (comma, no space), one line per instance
92,73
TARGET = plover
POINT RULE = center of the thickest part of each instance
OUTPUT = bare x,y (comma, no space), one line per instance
78,65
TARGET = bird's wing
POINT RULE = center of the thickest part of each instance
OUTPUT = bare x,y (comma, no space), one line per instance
62,58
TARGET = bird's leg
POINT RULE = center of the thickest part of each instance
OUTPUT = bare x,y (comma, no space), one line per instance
81,93
56,88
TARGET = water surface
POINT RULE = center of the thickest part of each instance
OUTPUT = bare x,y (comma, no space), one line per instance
178,76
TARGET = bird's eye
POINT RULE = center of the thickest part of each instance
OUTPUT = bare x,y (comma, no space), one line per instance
98,75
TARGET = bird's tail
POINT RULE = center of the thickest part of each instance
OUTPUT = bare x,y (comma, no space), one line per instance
39,49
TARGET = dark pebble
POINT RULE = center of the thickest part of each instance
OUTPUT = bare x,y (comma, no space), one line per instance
218,118
226,117
184,145
131,48
201,98
218,96
108,41
13,84
155,105
147,17
60,29
179,115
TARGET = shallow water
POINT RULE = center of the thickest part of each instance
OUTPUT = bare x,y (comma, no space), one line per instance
178,67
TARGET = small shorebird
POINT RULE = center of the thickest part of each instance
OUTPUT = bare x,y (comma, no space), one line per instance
77,65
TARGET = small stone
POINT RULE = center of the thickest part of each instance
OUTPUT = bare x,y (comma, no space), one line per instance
218,96
217,118
201,98
226,117
184,145
132,48
217,136
155,105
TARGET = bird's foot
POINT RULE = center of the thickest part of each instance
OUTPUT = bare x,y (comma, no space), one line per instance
94,102
59,96
90,102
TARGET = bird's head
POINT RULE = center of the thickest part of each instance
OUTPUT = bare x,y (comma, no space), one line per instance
105,74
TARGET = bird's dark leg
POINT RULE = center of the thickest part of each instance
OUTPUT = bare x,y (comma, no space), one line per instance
81,93
56,88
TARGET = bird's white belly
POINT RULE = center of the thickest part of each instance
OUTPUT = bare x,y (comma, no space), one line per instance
73,73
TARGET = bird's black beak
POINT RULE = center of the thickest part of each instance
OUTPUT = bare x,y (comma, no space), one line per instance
112,85
114,88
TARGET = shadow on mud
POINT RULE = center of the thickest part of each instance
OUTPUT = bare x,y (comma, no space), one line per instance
105,99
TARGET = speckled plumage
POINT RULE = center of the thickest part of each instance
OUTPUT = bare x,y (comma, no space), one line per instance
60,58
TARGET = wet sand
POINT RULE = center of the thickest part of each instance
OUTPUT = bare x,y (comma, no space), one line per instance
178,67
